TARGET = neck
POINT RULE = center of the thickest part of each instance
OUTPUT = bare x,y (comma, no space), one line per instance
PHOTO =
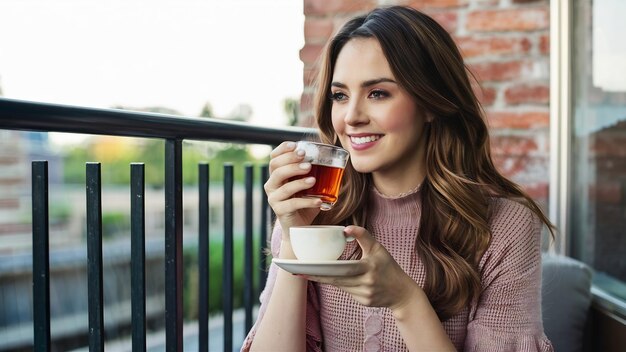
398,185
397,181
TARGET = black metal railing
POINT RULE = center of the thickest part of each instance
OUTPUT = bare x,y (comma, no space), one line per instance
31,116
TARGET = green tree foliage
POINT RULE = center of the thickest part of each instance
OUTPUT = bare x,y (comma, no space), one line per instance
116,169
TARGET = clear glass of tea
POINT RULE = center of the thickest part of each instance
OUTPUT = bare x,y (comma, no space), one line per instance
327,165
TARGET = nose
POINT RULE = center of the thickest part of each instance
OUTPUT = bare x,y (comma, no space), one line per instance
355,114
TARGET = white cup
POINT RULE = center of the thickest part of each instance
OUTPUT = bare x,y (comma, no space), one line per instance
318,242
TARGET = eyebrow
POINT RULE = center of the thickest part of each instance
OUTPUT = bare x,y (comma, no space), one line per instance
367,83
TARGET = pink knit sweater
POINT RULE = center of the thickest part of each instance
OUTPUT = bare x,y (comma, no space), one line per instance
507,316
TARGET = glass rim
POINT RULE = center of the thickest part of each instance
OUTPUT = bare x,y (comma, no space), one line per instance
323,145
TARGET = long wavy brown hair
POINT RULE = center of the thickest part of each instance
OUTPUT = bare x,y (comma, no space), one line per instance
460,177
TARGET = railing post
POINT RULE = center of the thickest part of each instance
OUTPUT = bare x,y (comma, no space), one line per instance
173,246
203,257
94,258
41,257
248,289
264,226
138,256
227,282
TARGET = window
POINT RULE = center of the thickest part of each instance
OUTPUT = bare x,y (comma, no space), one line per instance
597,218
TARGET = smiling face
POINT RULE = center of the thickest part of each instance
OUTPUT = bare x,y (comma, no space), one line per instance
375,119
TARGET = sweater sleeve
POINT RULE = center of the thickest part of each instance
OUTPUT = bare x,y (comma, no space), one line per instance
313,328
507,316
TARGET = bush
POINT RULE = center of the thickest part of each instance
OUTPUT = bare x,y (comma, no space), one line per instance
216,272
114,222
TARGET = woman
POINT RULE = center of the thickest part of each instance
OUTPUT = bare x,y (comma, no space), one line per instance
449,248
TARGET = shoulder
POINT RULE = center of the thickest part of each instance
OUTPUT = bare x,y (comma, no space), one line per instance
515,238
508,211
511,220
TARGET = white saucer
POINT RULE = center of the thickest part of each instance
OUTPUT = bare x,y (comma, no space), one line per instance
318,268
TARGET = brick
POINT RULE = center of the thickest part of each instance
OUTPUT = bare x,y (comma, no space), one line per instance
317,30
510,166
500,70
537,191
447,19
423,4
523,19
331,7
476,47
544,44
486,95
310,53
538,93
513,145
522,169
518,120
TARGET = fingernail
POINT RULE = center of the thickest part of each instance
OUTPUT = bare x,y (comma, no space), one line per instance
291,145
300,152
304,166
309,180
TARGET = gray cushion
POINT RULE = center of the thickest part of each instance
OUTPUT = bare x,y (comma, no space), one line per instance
566,297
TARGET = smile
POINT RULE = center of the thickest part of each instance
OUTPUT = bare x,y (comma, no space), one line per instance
364,139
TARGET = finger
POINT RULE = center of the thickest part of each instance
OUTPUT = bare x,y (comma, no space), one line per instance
278,192
282,148
291,204
362,236
284,174
288,157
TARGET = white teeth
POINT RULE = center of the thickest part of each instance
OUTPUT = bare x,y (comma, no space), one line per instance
361,140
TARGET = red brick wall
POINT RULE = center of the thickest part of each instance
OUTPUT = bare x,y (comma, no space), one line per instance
506,45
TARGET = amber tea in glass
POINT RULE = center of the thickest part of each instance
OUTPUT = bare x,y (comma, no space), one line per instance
327,165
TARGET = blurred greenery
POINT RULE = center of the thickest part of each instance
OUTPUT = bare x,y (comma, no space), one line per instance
114,222
216,274
116,169
116,153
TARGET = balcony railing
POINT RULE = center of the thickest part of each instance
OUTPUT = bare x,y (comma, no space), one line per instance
31,116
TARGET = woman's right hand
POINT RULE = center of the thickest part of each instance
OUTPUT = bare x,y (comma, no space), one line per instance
286,163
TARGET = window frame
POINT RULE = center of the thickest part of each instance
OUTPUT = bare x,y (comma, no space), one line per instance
561,152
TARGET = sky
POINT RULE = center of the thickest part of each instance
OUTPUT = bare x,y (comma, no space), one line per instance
139,53
609,47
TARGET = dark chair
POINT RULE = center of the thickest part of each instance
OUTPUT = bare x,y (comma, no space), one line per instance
566,298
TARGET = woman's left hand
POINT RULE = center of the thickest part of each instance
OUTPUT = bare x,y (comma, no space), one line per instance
378,281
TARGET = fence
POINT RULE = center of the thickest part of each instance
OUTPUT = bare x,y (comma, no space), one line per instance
31,116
